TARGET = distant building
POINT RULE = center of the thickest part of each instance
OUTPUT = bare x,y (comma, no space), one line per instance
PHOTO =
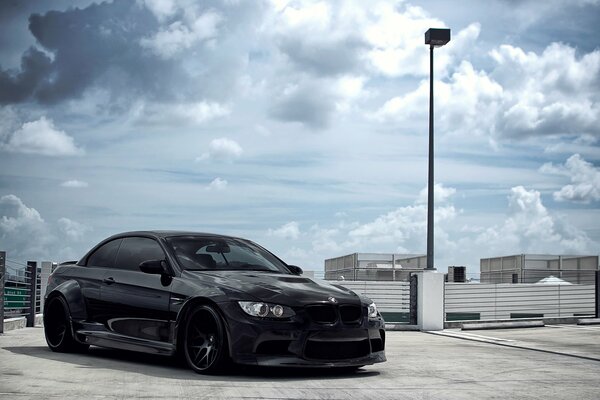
456,274
374,266
531,268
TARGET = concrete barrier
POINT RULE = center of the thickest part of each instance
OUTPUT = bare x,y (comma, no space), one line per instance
589,321
14,323
502,325
21,322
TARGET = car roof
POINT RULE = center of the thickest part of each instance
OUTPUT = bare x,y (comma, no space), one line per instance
169,233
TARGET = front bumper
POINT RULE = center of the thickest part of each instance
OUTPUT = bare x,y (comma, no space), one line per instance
298,342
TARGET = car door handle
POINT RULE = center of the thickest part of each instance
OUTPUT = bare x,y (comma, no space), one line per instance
109,281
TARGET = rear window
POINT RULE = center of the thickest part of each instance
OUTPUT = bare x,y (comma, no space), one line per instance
105,255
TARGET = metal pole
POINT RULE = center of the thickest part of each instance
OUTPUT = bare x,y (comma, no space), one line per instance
597,294
430,177
2,274
32,269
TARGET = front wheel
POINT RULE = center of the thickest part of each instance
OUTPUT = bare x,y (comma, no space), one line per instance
57,327
205,341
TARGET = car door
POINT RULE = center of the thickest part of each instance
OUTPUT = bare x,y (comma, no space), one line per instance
91,275
137,303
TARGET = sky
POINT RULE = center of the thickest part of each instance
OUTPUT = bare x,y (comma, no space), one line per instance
301,125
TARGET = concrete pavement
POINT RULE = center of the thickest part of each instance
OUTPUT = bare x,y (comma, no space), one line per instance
561,364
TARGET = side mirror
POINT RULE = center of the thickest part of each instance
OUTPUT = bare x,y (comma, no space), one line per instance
295,269
157,267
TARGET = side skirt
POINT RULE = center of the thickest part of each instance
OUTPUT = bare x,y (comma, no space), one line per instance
116,341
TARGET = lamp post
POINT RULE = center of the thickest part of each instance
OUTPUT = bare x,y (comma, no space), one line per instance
434,38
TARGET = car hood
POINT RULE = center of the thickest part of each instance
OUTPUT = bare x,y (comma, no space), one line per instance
290,290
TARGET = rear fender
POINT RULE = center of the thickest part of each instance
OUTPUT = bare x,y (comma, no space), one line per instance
71,292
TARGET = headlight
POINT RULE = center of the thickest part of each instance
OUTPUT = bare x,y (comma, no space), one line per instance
373,310
265,310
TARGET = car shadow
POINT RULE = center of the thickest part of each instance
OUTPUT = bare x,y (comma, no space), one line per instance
170,367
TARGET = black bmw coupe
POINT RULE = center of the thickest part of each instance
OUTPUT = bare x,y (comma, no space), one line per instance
210,299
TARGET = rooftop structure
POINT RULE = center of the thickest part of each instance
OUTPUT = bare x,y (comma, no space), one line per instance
531,268
374,266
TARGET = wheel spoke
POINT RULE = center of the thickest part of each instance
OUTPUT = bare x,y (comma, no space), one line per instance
60,332
203,341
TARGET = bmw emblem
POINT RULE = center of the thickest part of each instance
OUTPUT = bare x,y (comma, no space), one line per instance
332,299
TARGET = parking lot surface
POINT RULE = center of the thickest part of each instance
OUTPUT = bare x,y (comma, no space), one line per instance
559,362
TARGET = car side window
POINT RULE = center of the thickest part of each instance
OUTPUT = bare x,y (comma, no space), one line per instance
105,255
135,250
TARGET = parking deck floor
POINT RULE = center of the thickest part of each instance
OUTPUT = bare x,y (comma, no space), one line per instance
554,362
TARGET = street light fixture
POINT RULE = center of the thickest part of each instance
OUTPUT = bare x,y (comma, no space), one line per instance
434,38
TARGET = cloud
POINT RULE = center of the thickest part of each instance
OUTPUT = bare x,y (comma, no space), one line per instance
217,184
291,230
466,104
15,214
158,51
530,228
441,194
41,137
222,149
526,94
314,40
73,230
17,87
23,232
25,235
308,103
179,36
585,180
195,113
403,229
74,183
332,49
162,9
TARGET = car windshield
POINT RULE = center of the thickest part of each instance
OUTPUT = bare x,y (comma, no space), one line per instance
214,253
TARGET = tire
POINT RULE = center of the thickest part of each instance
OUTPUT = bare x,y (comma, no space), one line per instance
205,346
57,327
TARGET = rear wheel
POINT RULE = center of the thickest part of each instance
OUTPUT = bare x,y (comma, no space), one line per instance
57,327
205,341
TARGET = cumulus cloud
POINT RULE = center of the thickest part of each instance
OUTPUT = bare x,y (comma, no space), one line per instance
73,230
526,94
25,235
14,214
179,36
403,229
222,149
155,50
528,227
331,49
531,228
584,177
74,184
217,184
291,230
441,193
41,137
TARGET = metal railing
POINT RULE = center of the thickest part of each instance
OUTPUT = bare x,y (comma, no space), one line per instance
20,289
510,301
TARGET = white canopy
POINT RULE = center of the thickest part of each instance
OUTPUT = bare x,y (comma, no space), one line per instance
553,280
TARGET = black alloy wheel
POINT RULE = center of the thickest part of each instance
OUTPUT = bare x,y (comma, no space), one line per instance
205,343
57,327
